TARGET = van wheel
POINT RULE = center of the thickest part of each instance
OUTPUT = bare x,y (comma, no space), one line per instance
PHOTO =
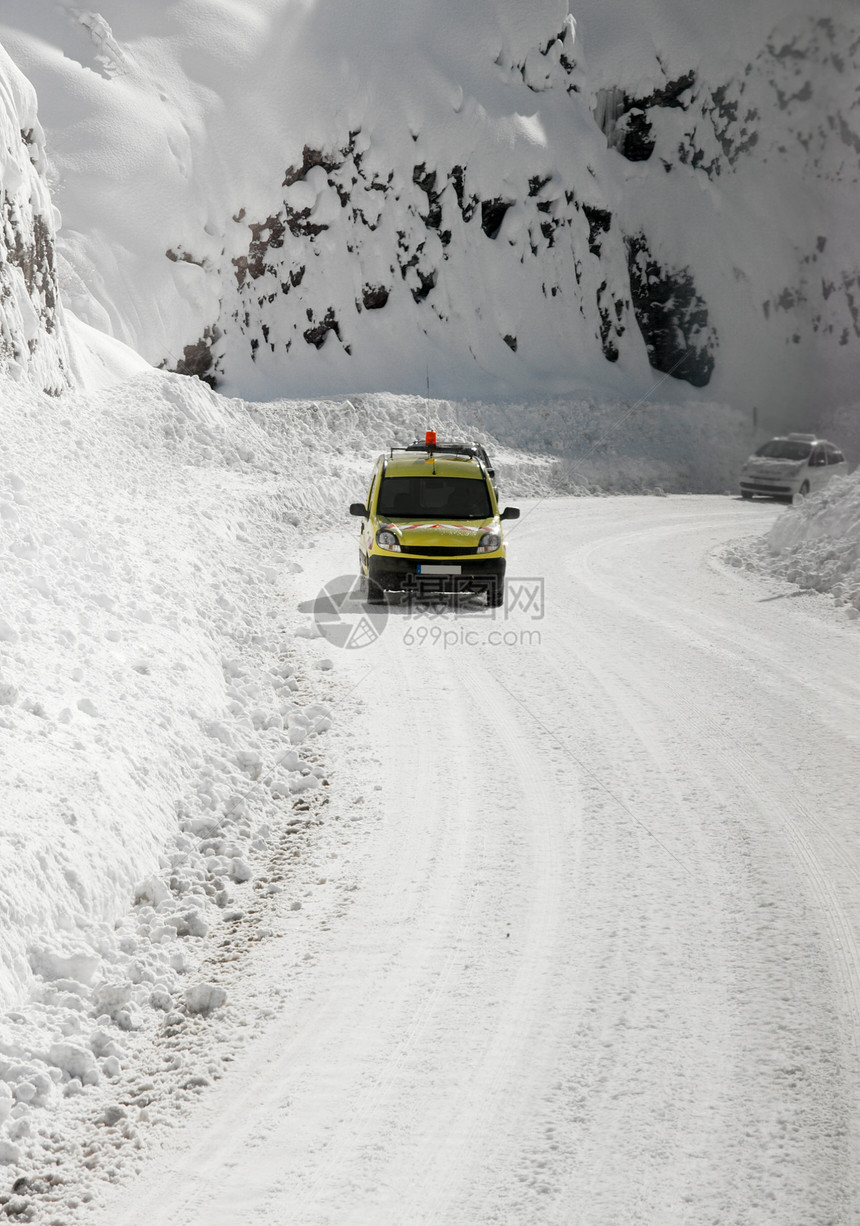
801,493
496,595
369,591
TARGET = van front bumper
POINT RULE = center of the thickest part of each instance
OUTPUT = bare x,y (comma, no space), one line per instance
395,574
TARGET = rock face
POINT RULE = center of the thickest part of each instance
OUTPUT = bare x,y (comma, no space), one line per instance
460,197
672,317
457,244
32,345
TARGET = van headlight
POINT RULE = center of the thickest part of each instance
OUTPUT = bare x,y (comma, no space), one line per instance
490,542
386,539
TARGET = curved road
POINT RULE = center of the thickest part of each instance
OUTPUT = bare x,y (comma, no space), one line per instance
598,961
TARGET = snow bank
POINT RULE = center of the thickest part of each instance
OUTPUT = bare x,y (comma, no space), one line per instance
146,692
606,446
815,544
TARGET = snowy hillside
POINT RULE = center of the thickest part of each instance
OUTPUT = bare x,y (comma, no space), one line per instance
495,199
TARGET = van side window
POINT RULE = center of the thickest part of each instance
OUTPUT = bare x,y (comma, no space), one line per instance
817,458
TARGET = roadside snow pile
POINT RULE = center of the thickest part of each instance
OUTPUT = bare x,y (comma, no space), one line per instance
604,446
815,544
157,733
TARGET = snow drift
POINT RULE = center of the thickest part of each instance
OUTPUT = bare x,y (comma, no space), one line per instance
815,544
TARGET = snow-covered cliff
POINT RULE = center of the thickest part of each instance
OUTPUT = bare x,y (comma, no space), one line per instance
32,344
291,197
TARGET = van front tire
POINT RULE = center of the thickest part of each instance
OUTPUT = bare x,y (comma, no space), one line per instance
496,594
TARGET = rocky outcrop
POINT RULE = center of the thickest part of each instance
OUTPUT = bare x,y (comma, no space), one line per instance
32,345
672,316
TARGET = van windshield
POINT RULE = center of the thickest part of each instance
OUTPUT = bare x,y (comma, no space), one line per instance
785,449
433,497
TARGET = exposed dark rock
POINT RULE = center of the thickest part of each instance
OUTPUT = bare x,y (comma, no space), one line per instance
374,297
467,204
670,94
310,158
299,223
182,257
609,330
599,221
35,259
672,317
633,136
426,180
492,215
197,359
624,117
265,236
317,334
511,342
427,281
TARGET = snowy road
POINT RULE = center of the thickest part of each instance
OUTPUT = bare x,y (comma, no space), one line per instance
588,949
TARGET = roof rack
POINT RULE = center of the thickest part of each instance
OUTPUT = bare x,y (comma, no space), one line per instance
474,451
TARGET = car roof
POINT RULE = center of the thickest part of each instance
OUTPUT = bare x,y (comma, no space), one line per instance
812,439
418,464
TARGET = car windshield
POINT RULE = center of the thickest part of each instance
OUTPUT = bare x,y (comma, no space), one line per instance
785,449
431,497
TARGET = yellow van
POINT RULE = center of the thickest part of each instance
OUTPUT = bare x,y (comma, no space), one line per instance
431,523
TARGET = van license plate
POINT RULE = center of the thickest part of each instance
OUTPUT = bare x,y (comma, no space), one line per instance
425,568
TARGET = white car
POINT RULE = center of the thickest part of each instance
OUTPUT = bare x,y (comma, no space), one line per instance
791,466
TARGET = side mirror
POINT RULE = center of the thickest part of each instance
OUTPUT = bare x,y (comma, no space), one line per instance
358,508
510,513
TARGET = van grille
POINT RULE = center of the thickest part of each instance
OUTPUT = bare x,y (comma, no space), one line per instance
438,551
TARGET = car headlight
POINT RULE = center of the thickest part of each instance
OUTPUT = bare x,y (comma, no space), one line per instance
490,542
386,539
